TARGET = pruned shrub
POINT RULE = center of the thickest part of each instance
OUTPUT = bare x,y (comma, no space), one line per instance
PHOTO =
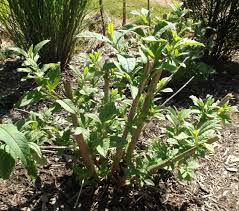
29,22
102,115
220,19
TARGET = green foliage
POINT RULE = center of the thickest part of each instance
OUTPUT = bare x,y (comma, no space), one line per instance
189,27
103,113
14,146
220,19
29,22
47,76
5,53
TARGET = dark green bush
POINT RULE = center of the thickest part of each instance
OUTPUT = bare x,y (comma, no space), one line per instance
30,21
220,19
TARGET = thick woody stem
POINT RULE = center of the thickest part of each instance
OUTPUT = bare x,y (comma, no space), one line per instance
85,154
69,94
79,138
184,155
140,121
120,150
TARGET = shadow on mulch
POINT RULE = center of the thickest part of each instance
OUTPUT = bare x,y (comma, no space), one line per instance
11,86
57,190
225,81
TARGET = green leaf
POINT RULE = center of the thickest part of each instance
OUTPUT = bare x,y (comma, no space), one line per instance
7,164
134,91
19,51
163,27
181,136
147,52
176,38
15,140
209,125
68,105
144,58
209,147
31,63
94,117
100,150
170,65
88,90
30,51
149,182
53,76
117,141
103,148
110,30
172,141
94,35
35,148
150,39
80,130
39,46
107,112
127,63
167,90
30,97
18,146
188,42
36,153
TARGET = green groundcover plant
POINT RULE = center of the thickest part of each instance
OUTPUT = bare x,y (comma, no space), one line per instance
101,115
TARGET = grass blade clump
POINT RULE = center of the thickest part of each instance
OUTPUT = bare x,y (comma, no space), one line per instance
29,22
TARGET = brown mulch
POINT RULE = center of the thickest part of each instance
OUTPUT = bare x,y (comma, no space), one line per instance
216,186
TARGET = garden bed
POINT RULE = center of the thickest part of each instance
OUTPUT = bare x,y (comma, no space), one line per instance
216,186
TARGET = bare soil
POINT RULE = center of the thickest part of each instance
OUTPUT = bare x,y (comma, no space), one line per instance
216,186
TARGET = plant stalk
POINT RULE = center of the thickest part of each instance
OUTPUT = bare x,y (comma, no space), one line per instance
69,94
120,150
143,114
85,154
79,138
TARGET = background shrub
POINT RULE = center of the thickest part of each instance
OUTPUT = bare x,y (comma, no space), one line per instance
192,28
29,22
221,21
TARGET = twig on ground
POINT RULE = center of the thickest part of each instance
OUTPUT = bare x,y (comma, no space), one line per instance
22,111
166,101
54,147
78,197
